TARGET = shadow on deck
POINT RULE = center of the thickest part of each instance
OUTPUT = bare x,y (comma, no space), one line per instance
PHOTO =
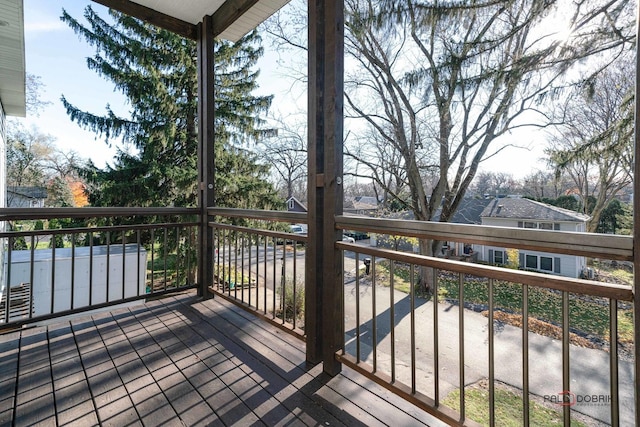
180,361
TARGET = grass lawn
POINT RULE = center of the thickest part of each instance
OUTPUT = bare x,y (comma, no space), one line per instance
587,315
508,408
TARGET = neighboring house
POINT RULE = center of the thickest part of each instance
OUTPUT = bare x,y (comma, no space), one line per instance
295,205
361,205
525,213
469,212
26,197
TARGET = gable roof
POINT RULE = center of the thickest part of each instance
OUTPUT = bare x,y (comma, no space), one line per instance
232,19
468,211
362,203
29,192
520,208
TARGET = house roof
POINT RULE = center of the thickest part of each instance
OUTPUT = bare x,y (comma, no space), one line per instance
468,212
29,192
296,201
232,19
362,203
12,65
520,208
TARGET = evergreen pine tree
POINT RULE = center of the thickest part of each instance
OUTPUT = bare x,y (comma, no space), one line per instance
157,72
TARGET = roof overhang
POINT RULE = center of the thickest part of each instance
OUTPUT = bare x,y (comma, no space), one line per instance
12,68
232,19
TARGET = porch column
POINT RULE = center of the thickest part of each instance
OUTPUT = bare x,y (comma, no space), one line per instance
206,152
636,229
324,319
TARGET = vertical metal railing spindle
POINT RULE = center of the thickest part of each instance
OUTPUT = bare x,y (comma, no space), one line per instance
264,260
412,295
242,276
178,263
275,263
492,374
392,323
90,237
525,354
138,264
31,274
374,321
53,274
7,301
165,253
357,307
436,346
235,264
124,256
295,283
228,256
153,264
73,270
461,343
108,272
283,279
566,385
613,361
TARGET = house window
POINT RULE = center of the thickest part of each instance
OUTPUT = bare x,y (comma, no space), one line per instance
498,257
539,225
540,263
532,262
291,206
546,263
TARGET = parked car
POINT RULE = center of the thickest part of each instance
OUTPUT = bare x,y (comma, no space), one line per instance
357,235
348,239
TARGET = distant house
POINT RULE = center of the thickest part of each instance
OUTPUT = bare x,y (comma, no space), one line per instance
469,212
295,205
524,213
26,197
361,205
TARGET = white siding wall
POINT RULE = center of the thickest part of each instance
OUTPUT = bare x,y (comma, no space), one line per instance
570,265
3,194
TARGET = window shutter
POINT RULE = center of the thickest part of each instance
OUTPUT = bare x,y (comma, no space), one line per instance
491,256
521,260
556,226
556,265
520,224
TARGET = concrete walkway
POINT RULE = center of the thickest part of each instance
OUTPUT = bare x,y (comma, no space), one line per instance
589,368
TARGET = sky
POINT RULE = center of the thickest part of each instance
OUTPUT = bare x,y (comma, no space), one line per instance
56,54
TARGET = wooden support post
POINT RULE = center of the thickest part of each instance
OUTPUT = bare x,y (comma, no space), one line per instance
636,232
324,313
206,151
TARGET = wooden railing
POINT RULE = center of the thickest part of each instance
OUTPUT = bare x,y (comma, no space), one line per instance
425,348
61,261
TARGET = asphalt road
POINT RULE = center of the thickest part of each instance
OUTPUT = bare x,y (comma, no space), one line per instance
589,368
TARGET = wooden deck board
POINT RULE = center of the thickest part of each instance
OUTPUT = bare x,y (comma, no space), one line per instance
180,361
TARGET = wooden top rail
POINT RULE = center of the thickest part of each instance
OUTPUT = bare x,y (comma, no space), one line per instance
283,216
604,246
11,214
549,281
249,230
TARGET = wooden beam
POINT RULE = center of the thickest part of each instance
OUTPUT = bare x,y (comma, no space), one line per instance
161,20
324,312
206,152
229,13
636,231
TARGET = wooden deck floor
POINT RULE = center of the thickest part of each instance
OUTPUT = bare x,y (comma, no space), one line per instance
180,361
